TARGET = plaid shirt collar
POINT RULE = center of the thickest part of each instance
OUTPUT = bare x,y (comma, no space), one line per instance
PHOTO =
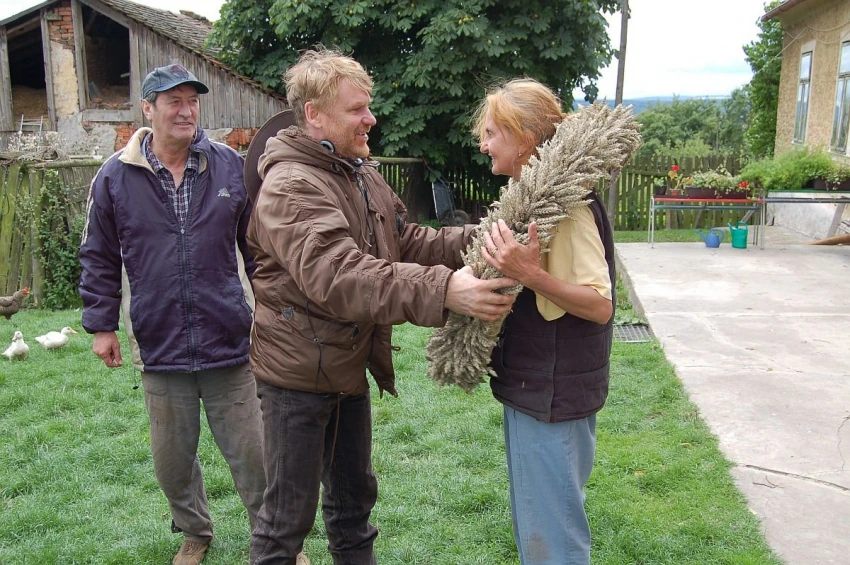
193,163
180,196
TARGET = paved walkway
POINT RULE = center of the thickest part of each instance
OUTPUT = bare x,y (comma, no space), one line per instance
760,341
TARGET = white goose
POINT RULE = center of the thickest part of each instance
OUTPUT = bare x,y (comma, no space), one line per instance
55,340
18,349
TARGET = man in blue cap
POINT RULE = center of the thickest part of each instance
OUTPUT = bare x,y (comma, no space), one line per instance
164,243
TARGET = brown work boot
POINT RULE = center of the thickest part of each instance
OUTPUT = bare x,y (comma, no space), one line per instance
302,560
191,553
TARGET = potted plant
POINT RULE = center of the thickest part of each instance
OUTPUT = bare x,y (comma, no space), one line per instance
836,178
678,180
717,183
741,189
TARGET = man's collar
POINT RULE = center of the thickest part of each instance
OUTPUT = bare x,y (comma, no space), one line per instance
156,163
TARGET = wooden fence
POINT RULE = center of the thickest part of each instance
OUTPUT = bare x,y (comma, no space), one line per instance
474,191
408,177
637,181
20,183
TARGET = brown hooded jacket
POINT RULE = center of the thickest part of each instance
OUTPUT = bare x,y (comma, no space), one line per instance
337,266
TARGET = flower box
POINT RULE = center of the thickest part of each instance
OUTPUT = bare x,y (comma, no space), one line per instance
734,194
701,192
823,184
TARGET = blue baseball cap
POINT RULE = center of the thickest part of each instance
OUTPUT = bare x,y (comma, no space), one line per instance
165,78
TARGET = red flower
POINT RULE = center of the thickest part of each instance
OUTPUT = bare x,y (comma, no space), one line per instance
674,168
744,184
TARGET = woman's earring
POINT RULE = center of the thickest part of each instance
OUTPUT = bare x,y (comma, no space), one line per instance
519,154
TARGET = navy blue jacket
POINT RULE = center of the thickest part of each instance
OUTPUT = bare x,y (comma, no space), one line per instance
185,294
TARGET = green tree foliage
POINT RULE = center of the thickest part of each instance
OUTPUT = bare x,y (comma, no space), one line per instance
431,59
735,119
59,242
763,56
695,127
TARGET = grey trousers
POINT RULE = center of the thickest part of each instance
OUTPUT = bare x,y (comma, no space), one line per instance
233,411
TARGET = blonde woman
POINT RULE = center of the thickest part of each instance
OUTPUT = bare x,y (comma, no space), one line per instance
552,359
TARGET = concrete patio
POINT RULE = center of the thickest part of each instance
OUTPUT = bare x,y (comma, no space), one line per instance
759,339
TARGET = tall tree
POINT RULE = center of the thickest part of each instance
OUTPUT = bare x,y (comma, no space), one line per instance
668,127
764,58
431,59
696,127
735,122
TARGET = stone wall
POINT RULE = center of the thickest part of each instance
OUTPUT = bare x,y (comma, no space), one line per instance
810,219
63,69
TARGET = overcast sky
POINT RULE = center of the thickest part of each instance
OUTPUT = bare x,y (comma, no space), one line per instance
685,47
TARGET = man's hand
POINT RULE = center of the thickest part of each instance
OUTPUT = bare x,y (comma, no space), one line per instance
471,296
106,347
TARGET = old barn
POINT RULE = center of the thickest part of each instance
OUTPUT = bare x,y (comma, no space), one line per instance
76,67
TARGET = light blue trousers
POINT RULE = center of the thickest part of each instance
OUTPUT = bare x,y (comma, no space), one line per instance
548,466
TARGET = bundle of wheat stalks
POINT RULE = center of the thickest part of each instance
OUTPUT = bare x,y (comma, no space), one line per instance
587,146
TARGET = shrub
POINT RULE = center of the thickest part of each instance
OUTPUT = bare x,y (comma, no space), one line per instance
58,245
792,170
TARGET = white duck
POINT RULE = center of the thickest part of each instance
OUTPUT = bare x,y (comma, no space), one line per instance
55,340
18,349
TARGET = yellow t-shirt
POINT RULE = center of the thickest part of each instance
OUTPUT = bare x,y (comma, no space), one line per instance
576,255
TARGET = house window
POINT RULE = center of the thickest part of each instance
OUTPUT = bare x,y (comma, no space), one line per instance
803,97
842,101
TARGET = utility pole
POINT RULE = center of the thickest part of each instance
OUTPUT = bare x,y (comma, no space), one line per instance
618,99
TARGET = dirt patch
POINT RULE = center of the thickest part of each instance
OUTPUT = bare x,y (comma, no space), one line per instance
31,102
111,97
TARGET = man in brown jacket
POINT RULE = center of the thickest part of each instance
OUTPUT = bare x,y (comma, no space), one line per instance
337,266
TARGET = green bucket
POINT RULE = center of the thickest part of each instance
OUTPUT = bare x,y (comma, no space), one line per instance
739,234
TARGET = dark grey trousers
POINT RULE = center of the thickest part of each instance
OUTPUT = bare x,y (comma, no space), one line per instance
233,412
312,439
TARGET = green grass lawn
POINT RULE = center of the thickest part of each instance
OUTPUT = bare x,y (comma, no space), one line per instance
77,484
661,236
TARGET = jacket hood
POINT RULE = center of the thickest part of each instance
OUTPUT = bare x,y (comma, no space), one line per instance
294,146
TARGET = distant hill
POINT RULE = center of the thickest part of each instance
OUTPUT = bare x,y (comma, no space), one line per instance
641,104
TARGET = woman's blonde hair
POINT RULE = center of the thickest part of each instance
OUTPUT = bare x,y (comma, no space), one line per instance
316,76
527,109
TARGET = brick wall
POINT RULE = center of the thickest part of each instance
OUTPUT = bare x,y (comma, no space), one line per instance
240,138
123,133
60,28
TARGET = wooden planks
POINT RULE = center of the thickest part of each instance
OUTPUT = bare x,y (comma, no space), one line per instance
7,120
48,69
10,241
80,54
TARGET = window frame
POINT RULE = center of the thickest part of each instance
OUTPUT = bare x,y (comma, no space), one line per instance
803,97
841,109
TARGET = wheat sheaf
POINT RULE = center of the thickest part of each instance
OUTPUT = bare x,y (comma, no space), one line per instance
586,147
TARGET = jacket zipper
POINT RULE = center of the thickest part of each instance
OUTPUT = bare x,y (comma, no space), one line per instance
369,235
184,268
